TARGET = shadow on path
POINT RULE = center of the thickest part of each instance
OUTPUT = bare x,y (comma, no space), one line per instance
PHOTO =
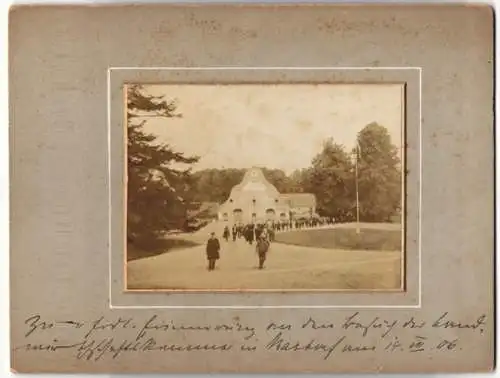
157,247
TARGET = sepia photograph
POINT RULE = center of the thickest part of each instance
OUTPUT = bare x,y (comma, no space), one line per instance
265,187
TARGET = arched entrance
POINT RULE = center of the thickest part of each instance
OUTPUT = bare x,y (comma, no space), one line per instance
238,215
270,214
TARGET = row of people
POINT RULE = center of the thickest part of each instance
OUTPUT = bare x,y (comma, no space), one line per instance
251,231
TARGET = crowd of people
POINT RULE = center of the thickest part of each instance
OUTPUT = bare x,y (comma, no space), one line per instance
262,233
252,231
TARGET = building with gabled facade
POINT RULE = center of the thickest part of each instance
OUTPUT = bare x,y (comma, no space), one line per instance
256,200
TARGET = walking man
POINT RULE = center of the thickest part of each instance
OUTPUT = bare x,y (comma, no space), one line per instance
213,248
272,234
262,248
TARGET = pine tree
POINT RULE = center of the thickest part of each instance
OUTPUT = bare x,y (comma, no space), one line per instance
158,192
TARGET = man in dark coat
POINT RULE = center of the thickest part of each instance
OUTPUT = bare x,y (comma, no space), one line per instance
250,234
213,248
234,231
262,247
226,233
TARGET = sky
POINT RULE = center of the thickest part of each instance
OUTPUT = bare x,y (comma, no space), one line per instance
276,126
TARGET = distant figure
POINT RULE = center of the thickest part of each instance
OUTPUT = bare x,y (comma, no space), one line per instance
249,234
226,233
234,231
258,231
262,248
213,248
245,233
272,234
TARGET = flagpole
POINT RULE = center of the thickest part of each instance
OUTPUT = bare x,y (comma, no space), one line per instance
357,191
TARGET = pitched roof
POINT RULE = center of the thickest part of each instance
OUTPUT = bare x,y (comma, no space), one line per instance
253,175
299,199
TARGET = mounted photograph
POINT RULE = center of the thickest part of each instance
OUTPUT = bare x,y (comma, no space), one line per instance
265,187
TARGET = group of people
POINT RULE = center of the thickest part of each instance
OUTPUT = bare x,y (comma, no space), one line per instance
303,223
262,234
250,232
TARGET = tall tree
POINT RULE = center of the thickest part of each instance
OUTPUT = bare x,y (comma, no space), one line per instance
330,178
214,185
278,178
158,194
298,180
379,172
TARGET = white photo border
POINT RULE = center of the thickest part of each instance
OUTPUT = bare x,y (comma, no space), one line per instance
242,307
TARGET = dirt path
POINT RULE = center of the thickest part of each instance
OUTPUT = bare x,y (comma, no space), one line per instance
287,267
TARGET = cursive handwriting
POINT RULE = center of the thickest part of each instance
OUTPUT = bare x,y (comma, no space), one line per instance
279,344
103,337
353,322
102,324
34,323
444,322
97,349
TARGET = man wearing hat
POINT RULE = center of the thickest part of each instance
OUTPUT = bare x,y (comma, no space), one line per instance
213,248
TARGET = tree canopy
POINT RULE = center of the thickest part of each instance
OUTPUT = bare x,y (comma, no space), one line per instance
158,191
379,171
330,179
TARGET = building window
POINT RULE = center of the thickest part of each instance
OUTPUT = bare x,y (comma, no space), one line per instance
270,214
238,215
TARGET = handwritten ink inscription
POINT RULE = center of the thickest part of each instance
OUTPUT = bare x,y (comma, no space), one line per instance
102,338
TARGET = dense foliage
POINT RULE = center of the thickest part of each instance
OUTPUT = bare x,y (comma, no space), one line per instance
331,179
214,185
379,173
158,192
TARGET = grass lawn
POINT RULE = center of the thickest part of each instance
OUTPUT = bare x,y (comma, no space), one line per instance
157,248
344,238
